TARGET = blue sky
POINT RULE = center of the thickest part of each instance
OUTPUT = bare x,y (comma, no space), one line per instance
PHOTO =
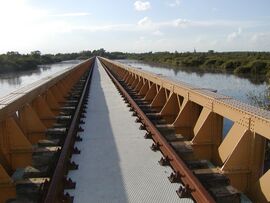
134,26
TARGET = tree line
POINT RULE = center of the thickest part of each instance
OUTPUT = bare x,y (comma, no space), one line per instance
14,61
239,63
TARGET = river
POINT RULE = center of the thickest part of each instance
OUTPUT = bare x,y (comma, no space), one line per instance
12,81
230,85
225,84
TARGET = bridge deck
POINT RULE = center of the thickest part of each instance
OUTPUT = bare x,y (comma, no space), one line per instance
116,163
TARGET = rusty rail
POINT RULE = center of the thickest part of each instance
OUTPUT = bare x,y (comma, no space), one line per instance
198,192
15,100
27,115
197,114
55,190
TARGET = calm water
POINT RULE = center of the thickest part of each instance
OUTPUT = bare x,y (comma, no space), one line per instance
10,82
230,85
225,84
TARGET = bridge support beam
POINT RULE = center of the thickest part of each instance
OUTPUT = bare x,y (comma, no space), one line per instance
171,109
144,88
25,115
43,111
160,99
139,85
15,147
151,93
7,187
187,118
31,124
135,82
52,102
207,135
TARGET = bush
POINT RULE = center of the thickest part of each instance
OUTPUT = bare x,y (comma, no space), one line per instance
242,70
231,65
210,62
258,67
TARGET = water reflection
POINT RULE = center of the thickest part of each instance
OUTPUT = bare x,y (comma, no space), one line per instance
231,85
255,79
10,82
15,78
227,84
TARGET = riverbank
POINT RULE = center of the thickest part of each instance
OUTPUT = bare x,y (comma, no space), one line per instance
252,65
248,64
16,62
226,84
14,80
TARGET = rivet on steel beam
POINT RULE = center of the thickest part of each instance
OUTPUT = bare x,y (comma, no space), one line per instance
134,114
138,120
142,127
164,161
67,198
131,109
174,177
76,150
82,115
78,138
128,105
148,135
72,166
69,184
155,147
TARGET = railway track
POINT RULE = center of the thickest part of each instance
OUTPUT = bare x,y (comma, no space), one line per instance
201,179
45,179
198,178
54,190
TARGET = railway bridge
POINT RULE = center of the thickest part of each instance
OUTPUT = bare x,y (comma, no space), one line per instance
102,131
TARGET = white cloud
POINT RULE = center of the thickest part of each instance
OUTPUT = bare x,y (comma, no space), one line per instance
180,22
142,5
175,3
260,41
45,29
257,37
234,35
141,38
158,33
71,14
36,26
105,28
145,22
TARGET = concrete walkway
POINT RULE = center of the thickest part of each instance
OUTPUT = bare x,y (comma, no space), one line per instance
116,163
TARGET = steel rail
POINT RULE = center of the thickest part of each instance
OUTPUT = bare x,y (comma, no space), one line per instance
55,184
198,192
16,99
